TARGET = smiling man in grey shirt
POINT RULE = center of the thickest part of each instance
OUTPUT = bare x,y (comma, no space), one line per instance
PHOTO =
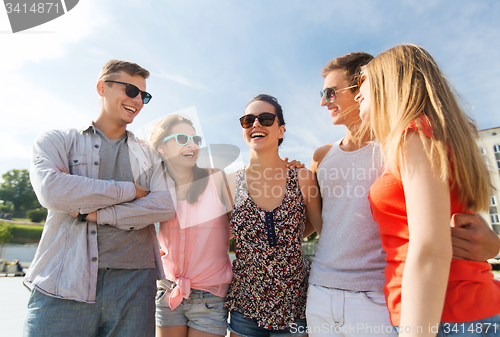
98,259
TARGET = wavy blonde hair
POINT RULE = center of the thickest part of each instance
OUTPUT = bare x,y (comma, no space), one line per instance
407,85
162,129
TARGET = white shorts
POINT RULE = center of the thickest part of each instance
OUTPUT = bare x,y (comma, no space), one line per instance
336,312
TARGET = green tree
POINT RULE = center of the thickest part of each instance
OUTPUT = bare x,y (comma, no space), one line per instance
37,215
16,188
5,233
6,207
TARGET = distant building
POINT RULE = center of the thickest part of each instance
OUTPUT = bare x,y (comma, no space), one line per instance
489,142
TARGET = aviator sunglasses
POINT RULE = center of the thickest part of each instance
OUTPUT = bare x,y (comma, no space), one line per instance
132,91
361,78
330,94
265,119
183,139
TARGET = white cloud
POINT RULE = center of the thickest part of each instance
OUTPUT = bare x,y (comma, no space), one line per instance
28,111
181,80
308,137
50,40
11,147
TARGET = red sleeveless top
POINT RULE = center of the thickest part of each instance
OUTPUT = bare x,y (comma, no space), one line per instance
472,291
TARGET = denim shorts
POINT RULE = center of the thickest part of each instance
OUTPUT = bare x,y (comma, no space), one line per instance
247,327
202,311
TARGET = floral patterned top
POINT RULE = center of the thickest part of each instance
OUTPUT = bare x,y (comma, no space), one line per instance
270,273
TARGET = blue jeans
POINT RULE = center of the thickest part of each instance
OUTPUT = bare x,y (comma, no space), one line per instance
247,327
124,306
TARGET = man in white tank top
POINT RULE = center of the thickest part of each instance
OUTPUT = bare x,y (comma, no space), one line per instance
345,286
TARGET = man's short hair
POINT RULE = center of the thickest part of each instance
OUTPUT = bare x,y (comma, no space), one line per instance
115,66
350,64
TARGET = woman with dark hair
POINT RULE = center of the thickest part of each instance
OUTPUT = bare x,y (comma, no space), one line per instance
190,301
267,295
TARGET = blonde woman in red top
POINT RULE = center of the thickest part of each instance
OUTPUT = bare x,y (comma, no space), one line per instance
432,169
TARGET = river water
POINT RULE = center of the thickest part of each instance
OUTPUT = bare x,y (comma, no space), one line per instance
23,253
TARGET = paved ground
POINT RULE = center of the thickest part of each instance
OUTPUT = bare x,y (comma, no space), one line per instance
12,306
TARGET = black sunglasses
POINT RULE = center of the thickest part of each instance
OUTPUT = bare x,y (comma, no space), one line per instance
132,91
265,119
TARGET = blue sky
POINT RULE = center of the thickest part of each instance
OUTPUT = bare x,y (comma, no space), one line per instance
216,56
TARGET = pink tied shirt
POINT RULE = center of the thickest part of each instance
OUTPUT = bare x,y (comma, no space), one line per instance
196,245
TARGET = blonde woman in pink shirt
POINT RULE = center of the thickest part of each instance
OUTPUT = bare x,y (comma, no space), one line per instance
190,301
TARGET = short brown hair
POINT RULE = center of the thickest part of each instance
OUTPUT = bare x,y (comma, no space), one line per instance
350,64
115,66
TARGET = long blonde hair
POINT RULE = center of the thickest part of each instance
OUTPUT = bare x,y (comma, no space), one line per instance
407,85
162,129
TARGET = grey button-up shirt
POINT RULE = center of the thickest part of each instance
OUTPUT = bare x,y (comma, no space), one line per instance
66,262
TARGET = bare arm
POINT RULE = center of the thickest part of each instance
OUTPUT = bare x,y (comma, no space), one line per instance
223,191
312,198
427,265
316,160
472,238
231,181
318,157
309,229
